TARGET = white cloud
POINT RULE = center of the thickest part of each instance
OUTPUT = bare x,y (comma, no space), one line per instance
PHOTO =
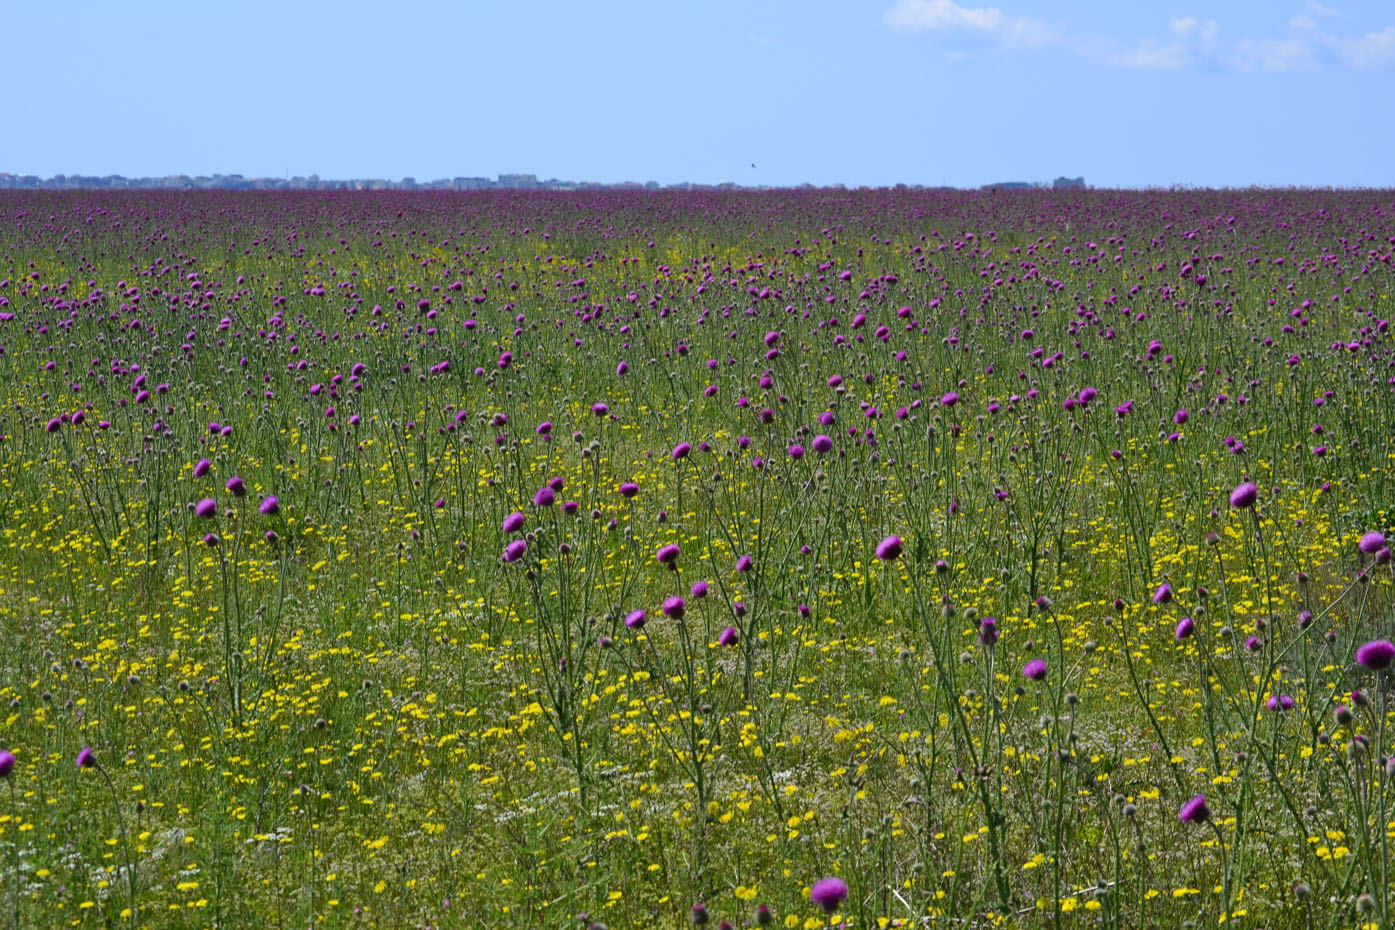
1182,25
1148,54
988,22
1272,55
1306,44
1373,50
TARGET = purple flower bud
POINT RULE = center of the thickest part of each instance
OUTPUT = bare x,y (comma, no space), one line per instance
1195,810
828,893
1243,497
889,548
1376,655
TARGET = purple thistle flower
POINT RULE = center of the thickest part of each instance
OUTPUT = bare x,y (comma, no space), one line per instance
1163,594
206,508
7,763
636,619
210,540
513,522
1243,497
681,450
822,443
1035,669
796,451
699,589
1371,543
668,555
86,758
1185,627
629,489
744,564
270,506
729,637
673,607
988,631
201,467
514,550
889,548
237,486
1376,655
828,893
950,399
1195,810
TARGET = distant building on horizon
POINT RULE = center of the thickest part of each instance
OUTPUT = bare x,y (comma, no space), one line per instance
1066,183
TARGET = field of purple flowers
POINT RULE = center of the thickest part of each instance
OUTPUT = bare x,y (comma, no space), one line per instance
866,559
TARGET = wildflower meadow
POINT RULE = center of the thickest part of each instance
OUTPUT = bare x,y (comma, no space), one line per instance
880,558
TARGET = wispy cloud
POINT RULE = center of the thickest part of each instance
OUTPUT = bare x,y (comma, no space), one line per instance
1272,55
1373,50
987,22
1145,54
1307,44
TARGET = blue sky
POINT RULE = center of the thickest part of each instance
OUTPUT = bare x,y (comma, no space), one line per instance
916,91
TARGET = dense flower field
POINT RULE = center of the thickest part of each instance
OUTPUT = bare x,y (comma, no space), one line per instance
879,558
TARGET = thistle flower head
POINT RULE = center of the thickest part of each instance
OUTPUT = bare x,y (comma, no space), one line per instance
1195,810
1376,655
828,893
1244,496
889,548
